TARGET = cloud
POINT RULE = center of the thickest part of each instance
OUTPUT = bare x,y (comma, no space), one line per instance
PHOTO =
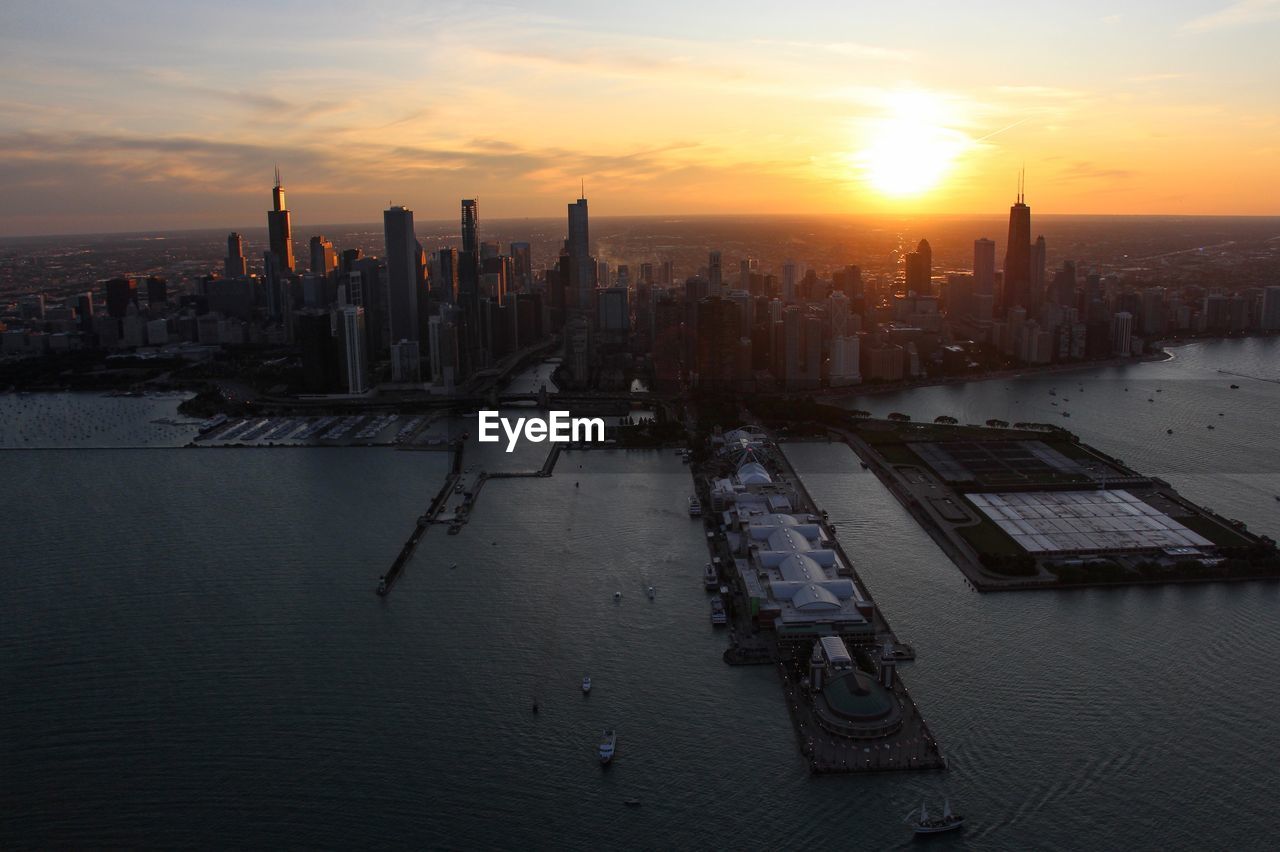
1159,77
1237,14
1083,170
841,48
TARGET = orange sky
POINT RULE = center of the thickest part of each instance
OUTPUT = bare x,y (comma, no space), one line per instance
170,115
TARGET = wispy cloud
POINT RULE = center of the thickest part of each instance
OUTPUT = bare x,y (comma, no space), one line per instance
1159,77
1235,15
841,48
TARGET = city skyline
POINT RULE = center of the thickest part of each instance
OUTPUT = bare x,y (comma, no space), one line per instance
674,111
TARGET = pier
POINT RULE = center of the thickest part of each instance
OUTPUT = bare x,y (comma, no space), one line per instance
904,741
457,519
387,580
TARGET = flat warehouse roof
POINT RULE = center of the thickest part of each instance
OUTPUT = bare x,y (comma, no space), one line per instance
1067,521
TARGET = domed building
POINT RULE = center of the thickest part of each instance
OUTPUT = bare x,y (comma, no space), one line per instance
848,702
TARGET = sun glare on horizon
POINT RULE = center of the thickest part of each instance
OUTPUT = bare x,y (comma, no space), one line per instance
910,149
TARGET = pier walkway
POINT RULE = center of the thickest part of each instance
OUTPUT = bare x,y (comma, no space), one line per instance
387,580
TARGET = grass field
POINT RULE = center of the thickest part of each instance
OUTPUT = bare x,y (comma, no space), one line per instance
986,537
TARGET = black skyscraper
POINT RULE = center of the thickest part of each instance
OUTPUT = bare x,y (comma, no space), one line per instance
1017,256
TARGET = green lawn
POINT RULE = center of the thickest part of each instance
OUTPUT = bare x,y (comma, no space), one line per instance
986,537
1217,533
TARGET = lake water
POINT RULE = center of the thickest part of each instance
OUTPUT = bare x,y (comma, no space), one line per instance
191,652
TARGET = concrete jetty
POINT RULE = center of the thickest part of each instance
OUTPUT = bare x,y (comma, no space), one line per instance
387,580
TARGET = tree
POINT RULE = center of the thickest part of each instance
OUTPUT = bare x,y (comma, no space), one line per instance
945,420
899,417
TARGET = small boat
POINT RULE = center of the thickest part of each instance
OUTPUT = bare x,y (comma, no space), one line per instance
617,596
631,802
709,578
922,823
607,746
1210,425
535,705
1168,431
1235,387
382,584
652,593
718,616
695,507
586,685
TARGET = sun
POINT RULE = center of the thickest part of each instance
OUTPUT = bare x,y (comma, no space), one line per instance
910,149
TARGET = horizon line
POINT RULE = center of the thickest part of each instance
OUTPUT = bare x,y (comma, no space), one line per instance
597,217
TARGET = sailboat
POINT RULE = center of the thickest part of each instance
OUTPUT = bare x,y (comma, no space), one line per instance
922,823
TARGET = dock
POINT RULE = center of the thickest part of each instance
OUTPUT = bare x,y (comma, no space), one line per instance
910,746
424,521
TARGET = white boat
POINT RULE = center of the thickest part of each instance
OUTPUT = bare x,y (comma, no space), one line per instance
608,745
695,507
709,578
652,592
717,611
922,823
586,685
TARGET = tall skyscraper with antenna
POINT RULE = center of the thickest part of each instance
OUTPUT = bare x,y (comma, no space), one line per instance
279,229
1017,254
582,271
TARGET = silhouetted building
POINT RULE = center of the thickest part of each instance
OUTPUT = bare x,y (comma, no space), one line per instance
402,273
582,271
120,293
234,266
324,258
920,269
1017,257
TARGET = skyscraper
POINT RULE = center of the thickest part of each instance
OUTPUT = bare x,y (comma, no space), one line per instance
350,322
522,257
1017,256
324,258
581,267
279,229
469,257
234,265
715,272
402,265
920,269
1038,261
444,286
1121,332
984,267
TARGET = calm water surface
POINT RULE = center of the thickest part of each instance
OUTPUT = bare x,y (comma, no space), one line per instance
191,652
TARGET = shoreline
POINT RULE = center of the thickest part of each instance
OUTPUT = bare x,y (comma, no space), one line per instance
835,397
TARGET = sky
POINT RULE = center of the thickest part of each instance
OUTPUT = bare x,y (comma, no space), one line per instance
140,115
